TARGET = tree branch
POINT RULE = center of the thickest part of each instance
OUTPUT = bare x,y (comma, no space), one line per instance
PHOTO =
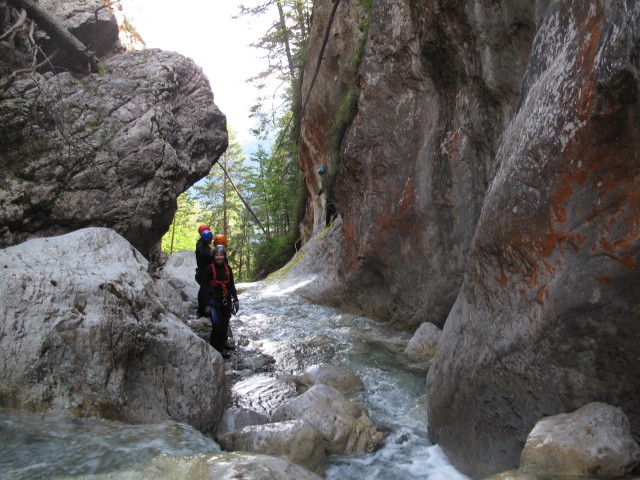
21,20
255,217
58,33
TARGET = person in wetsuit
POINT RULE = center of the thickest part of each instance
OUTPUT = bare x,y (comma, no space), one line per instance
222,299
204,258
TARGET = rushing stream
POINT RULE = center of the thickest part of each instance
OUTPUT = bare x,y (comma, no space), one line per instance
296,334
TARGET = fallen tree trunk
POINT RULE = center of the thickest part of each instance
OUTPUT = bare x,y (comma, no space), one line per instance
57,32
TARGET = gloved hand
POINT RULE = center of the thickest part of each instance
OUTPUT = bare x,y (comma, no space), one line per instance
235,306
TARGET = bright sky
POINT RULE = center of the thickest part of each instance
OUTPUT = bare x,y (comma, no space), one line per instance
204,31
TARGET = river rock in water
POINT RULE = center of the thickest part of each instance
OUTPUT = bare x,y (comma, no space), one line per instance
326,374
594,440
425,341
83,329
235,418
295,440
345,425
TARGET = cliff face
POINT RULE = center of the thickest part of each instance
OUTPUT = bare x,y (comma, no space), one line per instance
111,148
438,82
489,183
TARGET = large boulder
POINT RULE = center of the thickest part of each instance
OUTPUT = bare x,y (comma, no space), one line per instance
547,318
82,329
113,148
594,440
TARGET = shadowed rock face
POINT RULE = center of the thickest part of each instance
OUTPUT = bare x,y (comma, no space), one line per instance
111,149
438,84
547,318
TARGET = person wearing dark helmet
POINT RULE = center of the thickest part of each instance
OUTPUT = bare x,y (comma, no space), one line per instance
325,189
222,299
204,258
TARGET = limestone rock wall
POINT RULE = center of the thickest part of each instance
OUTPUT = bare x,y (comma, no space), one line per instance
438,82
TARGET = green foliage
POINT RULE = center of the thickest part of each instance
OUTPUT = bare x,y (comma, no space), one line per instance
285,45
364,29
344,116
275,253
263,236
183,233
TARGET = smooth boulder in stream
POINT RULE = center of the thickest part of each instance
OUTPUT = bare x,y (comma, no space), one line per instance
594,440
344,424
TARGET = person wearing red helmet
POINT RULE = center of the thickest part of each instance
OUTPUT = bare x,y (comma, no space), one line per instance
204,257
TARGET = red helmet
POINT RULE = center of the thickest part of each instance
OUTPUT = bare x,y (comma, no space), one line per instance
202,228
220,240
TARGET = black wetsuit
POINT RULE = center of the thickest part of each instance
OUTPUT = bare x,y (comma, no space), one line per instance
221,294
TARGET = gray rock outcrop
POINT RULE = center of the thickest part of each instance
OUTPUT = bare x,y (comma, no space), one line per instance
179,271
594,440
547,318
113,148
82,329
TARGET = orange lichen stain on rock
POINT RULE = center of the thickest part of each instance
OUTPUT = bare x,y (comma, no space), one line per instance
627,262
605,280
540,295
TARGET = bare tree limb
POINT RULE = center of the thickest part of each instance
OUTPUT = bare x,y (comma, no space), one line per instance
255,217
21,20
58,33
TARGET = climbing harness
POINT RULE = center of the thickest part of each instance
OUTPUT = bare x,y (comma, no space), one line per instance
222,283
